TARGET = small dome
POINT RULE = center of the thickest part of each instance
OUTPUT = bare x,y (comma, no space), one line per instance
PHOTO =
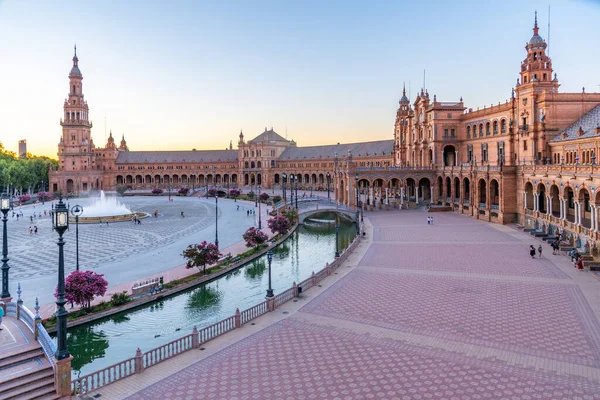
404,99
536,39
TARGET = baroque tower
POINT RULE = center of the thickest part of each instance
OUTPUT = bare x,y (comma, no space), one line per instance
76,155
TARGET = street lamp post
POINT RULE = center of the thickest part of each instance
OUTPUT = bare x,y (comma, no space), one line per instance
256,196
337,247
207,188
357,212
296,186
77,210
5,205
328,178
270,259
284,178
259,220
292,176
217,219
169,188
60,223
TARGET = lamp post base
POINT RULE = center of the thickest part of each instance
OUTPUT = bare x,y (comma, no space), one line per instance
62,376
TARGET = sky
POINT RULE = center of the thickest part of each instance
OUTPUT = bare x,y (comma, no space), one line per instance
179,75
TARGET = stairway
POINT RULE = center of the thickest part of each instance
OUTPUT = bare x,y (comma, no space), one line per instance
26,374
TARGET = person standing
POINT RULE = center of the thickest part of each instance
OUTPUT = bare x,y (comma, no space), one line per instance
540,251
1,314
580,264
532,251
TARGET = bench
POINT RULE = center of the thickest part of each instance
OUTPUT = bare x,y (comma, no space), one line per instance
225,257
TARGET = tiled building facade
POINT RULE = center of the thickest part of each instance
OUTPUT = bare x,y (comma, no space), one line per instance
530,159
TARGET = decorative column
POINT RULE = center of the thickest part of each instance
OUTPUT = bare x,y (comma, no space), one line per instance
525,201
576,213
593,217
431,191
549,205
416,193
401,196
456,158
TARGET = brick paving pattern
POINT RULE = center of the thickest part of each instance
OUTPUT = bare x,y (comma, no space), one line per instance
457,310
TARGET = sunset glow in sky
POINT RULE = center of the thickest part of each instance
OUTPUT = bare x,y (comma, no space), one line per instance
181,75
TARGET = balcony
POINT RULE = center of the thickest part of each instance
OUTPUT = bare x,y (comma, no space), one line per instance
524,128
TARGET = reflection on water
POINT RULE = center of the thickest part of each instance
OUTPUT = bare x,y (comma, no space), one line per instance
113,339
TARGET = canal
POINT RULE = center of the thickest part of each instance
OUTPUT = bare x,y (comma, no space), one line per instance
107,341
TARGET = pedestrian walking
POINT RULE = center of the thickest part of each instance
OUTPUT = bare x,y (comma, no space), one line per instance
1,314
30,231
532,251
182,215
572,254
107,223
580,264
540,251
431,220
35,229
428,220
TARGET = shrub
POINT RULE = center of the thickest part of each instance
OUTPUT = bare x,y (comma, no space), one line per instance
235,193
291,215
254,237
122,189
264,197
157,191
212,192
276,199
24,198
183,191
118,299
250,195
44,196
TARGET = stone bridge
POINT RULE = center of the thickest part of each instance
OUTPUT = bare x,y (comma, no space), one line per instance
344,212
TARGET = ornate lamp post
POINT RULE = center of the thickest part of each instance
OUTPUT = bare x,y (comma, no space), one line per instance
296,186
284,177
169,188
60,223
5,205
357,209
270,259
76,211
328,179
259,220
207,187
292,177
337,248
217,219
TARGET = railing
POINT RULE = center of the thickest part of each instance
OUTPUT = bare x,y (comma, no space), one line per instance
214,330
11,309
495,207
137,364
481,205
253,312
167,351
98,379
46,343
27,317
285,296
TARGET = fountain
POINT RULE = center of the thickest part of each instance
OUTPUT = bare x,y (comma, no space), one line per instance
107,209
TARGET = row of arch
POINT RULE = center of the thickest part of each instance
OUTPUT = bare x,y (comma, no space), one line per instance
490,128
567,203
175,179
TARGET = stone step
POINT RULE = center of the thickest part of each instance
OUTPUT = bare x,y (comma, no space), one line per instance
43,389
31,377
16,358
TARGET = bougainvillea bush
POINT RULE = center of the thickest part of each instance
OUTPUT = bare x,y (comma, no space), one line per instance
254,237
82,286
157,191
183,191
279,224
199,255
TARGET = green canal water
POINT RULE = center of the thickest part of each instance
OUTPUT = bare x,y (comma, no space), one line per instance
110,340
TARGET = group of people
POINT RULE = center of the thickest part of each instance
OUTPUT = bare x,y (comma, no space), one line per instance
248,212
576,259
532,251
429,220
33,230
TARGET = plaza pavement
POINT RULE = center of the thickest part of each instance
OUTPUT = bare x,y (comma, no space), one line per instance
457,310
125,253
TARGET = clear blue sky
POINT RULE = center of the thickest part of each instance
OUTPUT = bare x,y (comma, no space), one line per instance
179,75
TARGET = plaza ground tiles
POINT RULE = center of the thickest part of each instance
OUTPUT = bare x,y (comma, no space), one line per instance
417,312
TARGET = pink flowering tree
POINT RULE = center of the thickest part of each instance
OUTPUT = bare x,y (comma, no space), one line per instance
82,286
254,237
24,198
157,191
198,255
212,192
263,197
183,191
235,193
44,196
279,224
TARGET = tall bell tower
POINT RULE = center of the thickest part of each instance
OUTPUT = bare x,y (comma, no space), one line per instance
536,77
75,150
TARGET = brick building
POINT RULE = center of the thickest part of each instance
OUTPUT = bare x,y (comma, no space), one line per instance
530,159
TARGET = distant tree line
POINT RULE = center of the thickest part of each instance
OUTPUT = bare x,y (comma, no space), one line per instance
25,174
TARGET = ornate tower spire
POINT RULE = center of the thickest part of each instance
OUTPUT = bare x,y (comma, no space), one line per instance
535,25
